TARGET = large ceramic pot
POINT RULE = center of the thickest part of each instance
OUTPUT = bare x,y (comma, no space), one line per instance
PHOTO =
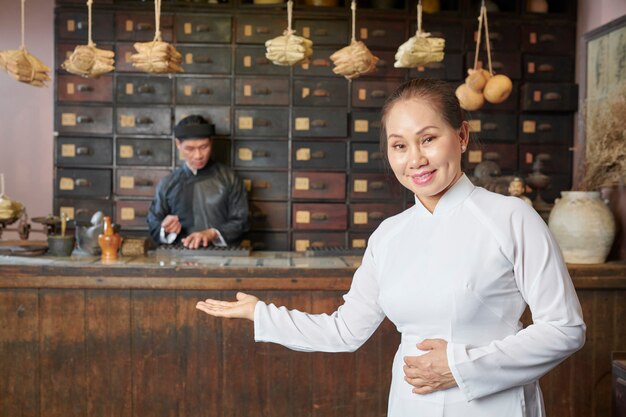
583,226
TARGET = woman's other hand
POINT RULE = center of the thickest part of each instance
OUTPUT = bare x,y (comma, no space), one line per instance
243,308
429,372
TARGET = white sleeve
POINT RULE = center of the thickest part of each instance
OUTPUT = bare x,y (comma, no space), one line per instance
167,239
343,331
557,330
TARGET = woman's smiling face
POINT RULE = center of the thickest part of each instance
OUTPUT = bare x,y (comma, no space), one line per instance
424,151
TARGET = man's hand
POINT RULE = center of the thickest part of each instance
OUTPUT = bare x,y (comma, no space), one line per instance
171,224
199,239
429,372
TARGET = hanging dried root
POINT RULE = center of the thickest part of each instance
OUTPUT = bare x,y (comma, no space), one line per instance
156,57
419,50
89,61
354,60
288,49
24,67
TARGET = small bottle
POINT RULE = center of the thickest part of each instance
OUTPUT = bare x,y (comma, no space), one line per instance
109,241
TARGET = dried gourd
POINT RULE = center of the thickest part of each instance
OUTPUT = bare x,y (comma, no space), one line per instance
289,49
420,49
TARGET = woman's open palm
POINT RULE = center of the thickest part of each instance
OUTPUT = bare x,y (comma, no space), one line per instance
243,308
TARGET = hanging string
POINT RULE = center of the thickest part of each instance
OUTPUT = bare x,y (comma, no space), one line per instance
419,16
157,20
89,3
289,16
353,8
23,46
488,42
478,36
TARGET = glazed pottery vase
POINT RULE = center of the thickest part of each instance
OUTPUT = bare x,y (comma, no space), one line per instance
109,241
583,226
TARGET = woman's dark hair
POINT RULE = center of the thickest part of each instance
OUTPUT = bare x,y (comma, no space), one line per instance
439,94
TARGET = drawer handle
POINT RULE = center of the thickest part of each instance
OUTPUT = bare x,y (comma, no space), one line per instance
144,120
81,24
545,68
490,126
83,88
260,154
381,63
259,215
83,150
318,92
376,124
84,211
318,123
319,217
203,91
82,120
145,89
318,185
143,182
378,33
544,127
82,182
378,94
263,30
144,152
262,61
317,244
203,28
547,37
144,27
495,36
202,59
377,185
321,32
497,64
320,62
141,214
376,215
262,91
376,155
318,155
261,184
262,122
552,96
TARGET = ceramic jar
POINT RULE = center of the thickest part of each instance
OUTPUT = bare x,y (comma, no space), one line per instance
583,226
109,241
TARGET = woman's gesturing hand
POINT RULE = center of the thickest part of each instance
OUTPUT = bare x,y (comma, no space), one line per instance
429,372
243,308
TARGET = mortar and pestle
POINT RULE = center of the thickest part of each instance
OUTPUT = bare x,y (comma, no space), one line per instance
61,245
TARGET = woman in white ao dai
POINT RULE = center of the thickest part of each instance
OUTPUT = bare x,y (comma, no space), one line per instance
454,273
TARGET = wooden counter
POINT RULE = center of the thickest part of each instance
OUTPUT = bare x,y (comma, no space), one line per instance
79,338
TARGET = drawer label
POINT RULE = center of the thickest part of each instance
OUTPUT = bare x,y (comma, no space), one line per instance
529,158
68,150
247,30
246,122
187,90
247,183
188,58
421,68
127,120
130,89
302,245
361,157
360,217
245,154
247,61
362,94
126,151
363,33
71,25
532,38
68,211
537,95
303,216
302,123
129,25
305,65
127,182
127,213
360,186
474,125
475,157
302,183
306,91
70,89
68,119
529,126
306,32
303,154
127,57
66,184
187,28
361,126
247,90
358,243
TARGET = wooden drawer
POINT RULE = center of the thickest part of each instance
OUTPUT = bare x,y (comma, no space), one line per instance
139,182
549,97
262,185
549,68
319,216
552,38
384,66
493,126
262,91
83,183
384,34
262,122
76,88
318,155
84,151
508,63
366,93
72,25
451,68
503,36
134,89
218,115
139,27
123,52
560,162
506,155
203,28
452,32
374,186
251,60
144,120
324,32
203,91
366,157
508,105
318,122
132,213
303,241
81,210
257,28
319,185
220,151
152,152
266,241
320,92
205,59
319,63
261,154
367,216
74,119
546,129
358,240
268,216
365,125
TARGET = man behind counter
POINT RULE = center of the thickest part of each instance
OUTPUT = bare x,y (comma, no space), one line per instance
201,202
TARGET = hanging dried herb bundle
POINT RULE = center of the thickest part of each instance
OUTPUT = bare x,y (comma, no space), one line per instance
420,49
288,49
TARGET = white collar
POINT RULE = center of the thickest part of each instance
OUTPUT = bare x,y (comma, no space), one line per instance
459,191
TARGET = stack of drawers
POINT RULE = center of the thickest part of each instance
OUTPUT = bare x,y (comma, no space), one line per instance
304,140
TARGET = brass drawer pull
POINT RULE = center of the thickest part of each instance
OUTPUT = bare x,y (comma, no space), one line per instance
262,122
260,154
82,182
261,184
317,244
547,37
376,124
321,32
320,217
144,120
203,28
319,123
318,185
81,24
381,63
144,27
262,61
143,182
202,59
377,185
497,64
318,155
318,92
83,150
378,33
378,94
262,91
82,120
259,215
84,88
544,127
145,89
144,152
552,96
263,30
490,126
141,214
84,211
376,215
545,68
203,91
320,62
376,155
